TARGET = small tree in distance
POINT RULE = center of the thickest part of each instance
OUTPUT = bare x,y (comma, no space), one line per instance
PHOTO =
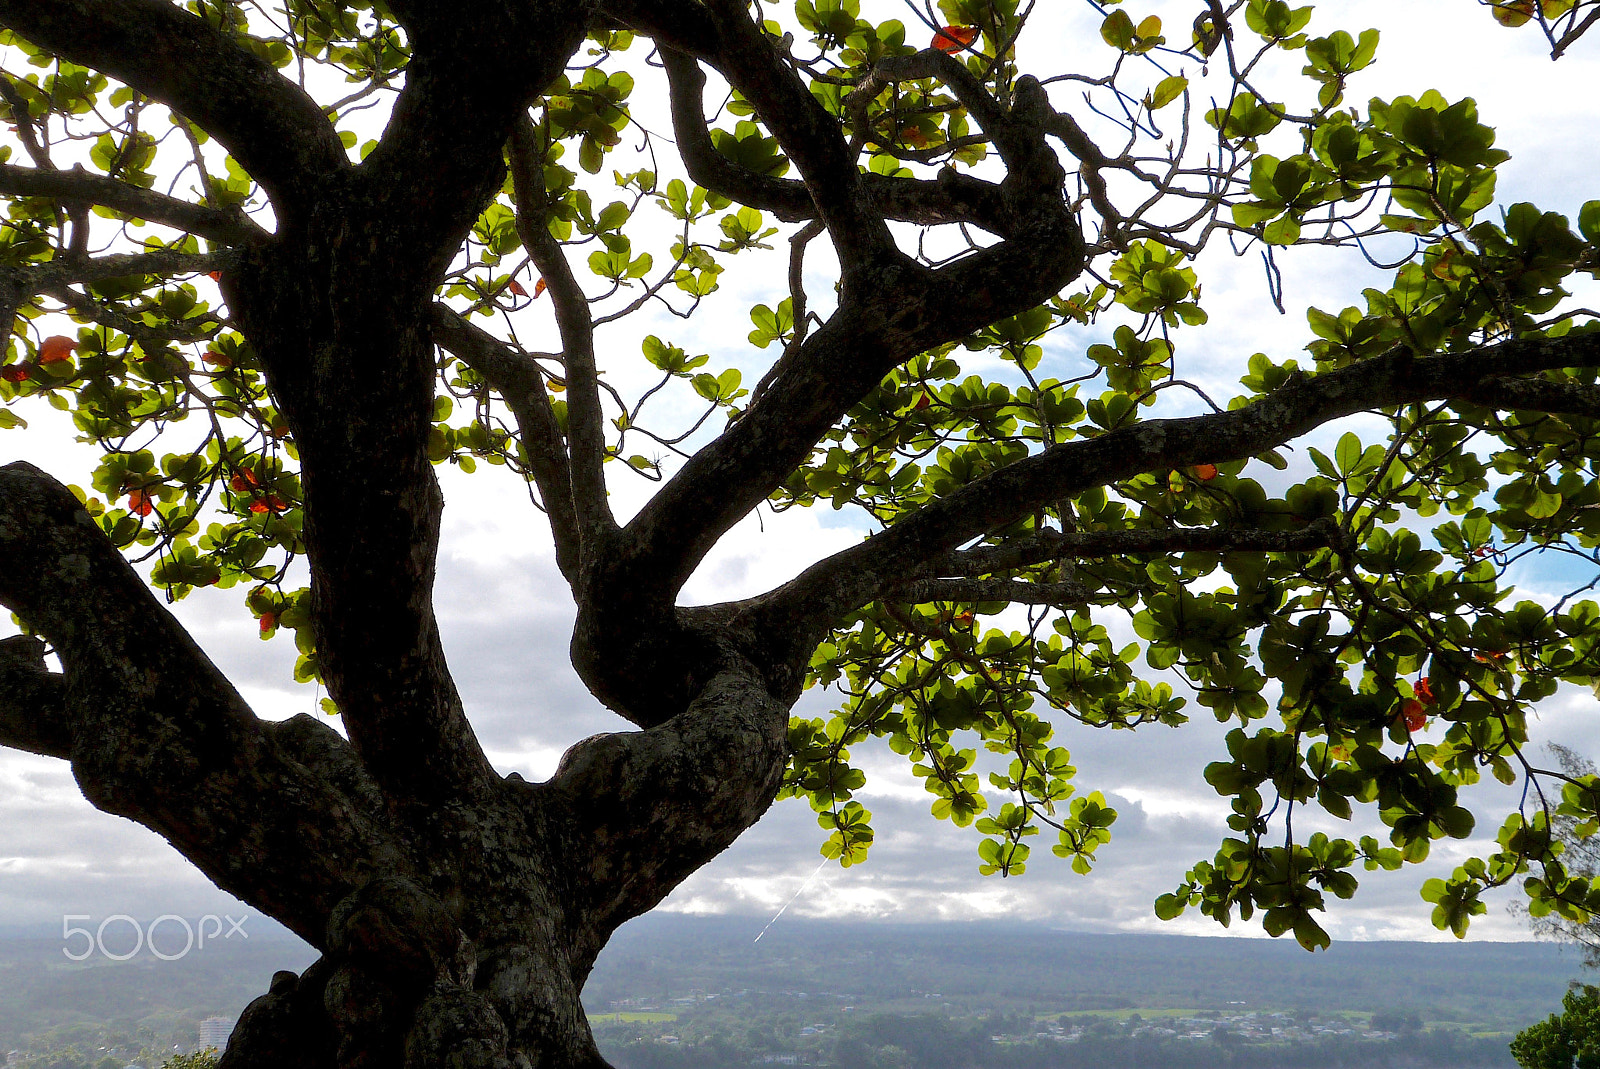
1566,1040
1580,858
279,329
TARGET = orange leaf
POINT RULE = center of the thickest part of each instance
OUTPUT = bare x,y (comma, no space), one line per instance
269,620
1423,690
258,506
139,503
538,288
55,349
245,480
212,356
1514,13
516,287
954,38
1205,472
1414,713
215,276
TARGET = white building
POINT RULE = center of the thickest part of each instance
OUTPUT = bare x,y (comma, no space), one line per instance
214,1032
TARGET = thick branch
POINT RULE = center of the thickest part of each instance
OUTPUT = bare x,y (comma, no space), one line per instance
749,59
952,198
279,135
22,121
1535,395
356,380
80,187
1080,545
813,385
585,417
474,70
154,731
516,377
695,782
1015,146
856,575
1092,161
52,276
682,25
786,198
923,591
33,700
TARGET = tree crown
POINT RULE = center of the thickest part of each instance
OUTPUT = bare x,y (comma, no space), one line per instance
986,202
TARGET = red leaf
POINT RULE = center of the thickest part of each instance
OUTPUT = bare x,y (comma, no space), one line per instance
955,38
14,372
516,287
1424,690
215,276
212,356
258,506
1414,713
244,481
1205,472
56,348
269,620
922,402
139,503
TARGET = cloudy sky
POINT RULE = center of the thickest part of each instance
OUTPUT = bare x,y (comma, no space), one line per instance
506,613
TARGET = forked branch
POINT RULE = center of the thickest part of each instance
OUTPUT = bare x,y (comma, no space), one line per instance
154,731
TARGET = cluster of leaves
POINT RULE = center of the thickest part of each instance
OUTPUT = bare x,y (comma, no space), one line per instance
1400,670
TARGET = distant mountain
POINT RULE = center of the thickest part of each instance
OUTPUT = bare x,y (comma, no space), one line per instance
949,968
1011,967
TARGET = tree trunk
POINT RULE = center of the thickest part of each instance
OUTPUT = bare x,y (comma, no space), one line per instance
478,954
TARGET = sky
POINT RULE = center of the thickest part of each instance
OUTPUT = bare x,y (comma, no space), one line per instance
506,614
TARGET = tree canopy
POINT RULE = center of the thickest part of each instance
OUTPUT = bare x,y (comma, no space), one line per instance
278,260
1566,1040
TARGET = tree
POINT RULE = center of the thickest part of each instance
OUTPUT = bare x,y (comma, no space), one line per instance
1580,858
200,1059
1566,1040
274,353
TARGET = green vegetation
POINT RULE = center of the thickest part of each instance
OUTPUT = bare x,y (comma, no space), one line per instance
1567,1040
200,1059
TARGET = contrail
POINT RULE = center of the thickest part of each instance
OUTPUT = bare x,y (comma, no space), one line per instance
789,903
